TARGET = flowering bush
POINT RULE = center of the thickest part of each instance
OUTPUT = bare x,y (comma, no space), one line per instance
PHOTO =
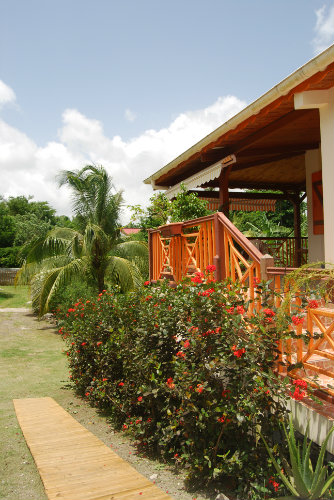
186,371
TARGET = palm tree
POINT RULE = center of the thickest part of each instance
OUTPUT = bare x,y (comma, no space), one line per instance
95,251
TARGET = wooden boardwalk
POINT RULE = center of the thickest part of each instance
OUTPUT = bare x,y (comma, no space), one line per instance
73,463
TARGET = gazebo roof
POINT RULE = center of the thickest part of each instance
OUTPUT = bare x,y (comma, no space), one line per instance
269,137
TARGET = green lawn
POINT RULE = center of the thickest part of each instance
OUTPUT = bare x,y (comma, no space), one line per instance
14,296
32,364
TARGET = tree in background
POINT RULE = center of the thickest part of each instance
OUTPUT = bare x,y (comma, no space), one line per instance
184,206
21,220
95,251
270,224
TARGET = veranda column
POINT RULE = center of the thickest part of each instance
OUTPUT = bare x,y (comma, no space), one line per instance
224,200
324,101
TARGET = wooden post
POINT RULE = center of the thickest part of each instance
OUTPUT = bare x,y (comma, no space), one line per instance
297,230
224,201
266,261
150,255
219,258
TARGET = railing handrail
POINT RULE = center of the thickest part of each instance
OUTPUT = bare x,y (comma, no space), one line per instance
276,238
286,270
242,240
196,222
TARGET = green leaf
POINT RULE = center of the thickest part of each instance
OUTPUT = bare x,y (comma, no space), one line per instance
327,484
285,481
321,458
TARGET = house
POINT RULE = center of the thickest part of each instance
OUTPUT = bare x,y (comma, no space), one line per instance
283,141
129,231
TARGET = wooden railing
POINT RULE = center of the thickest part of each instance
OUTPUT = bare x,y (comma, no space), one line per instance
200,242
174,256
313,349
284,249
215,240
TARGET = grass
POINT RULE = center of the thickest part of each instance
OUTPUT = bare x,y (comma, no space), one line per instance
32,364
14,296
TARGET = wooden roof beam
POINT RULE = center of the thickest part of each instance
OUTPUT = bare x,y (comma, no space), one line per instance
242,195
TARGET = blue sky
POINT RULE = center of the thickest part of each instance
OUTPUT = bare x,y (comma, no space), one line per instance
131,84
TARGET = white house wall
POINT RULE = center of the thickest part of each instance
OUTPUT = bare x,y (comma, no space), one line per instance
316,251
324,101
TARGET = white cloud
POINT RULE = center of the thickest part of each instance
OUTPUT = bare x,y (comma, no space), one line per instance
27,169
129,115
7,94
324,28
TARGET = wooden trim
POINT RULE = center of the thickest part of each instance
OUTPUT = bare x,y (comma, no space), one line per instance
244,195
241,239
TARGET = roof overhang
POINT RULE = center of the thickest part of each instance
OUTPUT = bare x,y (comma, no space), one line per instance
267,133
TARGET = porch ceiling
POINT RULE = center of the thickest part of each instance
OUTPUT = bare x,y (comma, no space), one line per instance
269,145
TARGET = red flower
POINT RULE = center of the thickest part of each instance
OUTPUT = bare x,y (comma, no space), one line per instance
104,379
256,281
313,304
140,398
225,393
83,343
186,344
240,309
230,310
99,343
87,394
170,383
298,395
238,352
269,312
121,384
198,277
223,419
149,297
199,388
296,320
300,383
125,426
210,268
180,354
274,483
146,283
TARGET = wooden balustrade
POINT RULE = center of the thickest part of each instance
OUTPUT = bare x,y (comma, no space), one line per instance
200,242
313,349
283,249
215,240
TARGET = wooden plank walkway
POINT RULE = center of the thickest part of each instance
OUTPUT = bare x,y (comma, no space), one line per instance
73,463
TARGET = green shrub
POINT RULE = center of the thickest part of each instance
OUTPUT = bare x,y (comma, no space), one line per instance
186,371
65,296
9,257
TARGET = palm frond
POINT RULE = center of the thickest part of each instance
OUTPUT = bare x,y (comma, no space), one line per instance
45,284
57,242
130,249
124,273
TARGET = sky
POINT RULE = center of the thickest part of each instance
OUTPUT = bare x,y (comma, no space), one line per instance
132,84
